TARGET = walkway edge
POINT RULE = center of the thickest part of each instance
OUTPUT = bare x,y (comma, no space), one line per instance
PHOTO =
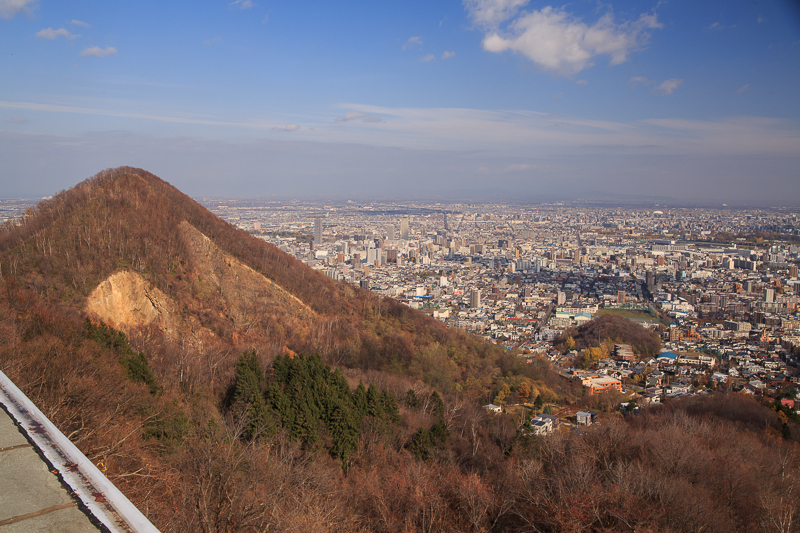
104,500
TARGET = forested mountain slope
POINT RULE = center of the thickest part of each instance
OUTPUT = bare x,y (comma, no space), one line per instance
223,289
224,386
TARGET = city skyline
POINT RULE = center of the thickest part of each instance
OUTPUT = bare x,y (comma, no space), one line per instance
485,99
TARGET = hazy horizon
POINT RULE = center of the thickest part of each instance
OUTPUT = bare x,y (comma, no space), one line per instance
479,100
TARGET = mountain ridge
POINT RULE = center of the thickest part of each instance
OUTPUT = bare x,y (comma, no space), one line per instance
126,219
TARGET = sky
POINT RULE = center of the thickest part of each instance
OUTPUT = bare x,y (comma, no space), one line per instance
677,101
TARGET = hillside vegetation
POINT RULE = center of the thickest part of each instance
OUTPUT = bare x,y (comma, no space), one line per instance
128,220
320,407
600,334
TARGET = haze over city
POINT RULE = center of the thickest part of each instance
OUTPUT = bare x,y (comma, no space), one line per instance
481,99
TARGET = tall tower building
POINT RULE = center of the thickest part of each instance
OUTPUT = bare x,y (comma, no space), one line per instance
404,228
390,232
769,295
317,232
475,298
446,225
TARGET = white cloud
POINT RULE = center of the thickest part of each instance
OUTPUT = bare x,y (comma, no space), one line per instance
412,41
448,54
490,13
96,51
427,58
50,33
582,82
9,8
212,41
357,115
243,4
558,96
557,41
640,79
668,86
743,88
79,23
17,120
289,127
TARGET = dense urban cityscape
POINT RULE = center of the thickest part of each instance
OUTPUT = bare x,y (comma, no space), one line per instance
718,285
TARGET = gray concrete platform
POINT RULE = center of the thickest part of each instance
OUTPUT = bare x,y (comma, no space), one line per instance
32,498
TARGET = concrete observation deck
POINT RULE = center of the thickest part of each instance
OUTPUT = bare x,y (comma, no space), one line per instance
47,484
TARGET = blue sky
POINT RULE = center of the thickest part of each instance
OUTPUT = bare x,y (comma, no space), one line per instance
480,99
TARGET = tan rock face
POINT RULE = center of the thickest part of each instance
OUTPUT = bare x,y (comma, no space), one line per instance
247,293
126,300
220,286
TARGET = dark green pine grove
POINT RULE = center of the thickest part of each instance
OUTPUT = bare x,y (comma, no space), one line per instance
310,402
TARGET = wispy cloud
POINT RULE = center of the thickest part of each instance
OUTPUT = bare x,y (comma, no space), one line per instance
668,86
415,41
357,115
555,40
242,4
718,26
212,41
54,108
490,13
448,54
79,23
428,58
582,82
50,33
96,51
17,121
743,88
506,133
9,8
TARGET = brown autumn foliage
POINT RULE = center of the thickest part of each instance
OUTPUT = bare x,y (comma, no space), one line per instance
616,329
128,219
716,463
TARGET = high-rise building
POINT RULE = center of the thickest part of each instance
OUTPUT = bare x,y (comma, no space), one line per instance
475,298
404,228
317,232
446,225
620,297
390,232
769,295
561,298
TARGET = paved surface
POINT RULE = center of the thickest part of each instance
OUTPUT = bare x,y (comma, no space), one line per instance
32,498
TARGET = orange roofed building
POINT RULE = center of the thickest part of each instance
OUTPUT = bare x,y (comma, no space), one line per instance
603,384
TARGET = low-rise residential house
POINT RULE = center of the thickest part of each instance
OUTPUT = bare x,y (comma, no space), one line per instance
544,424
679,387
586,418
